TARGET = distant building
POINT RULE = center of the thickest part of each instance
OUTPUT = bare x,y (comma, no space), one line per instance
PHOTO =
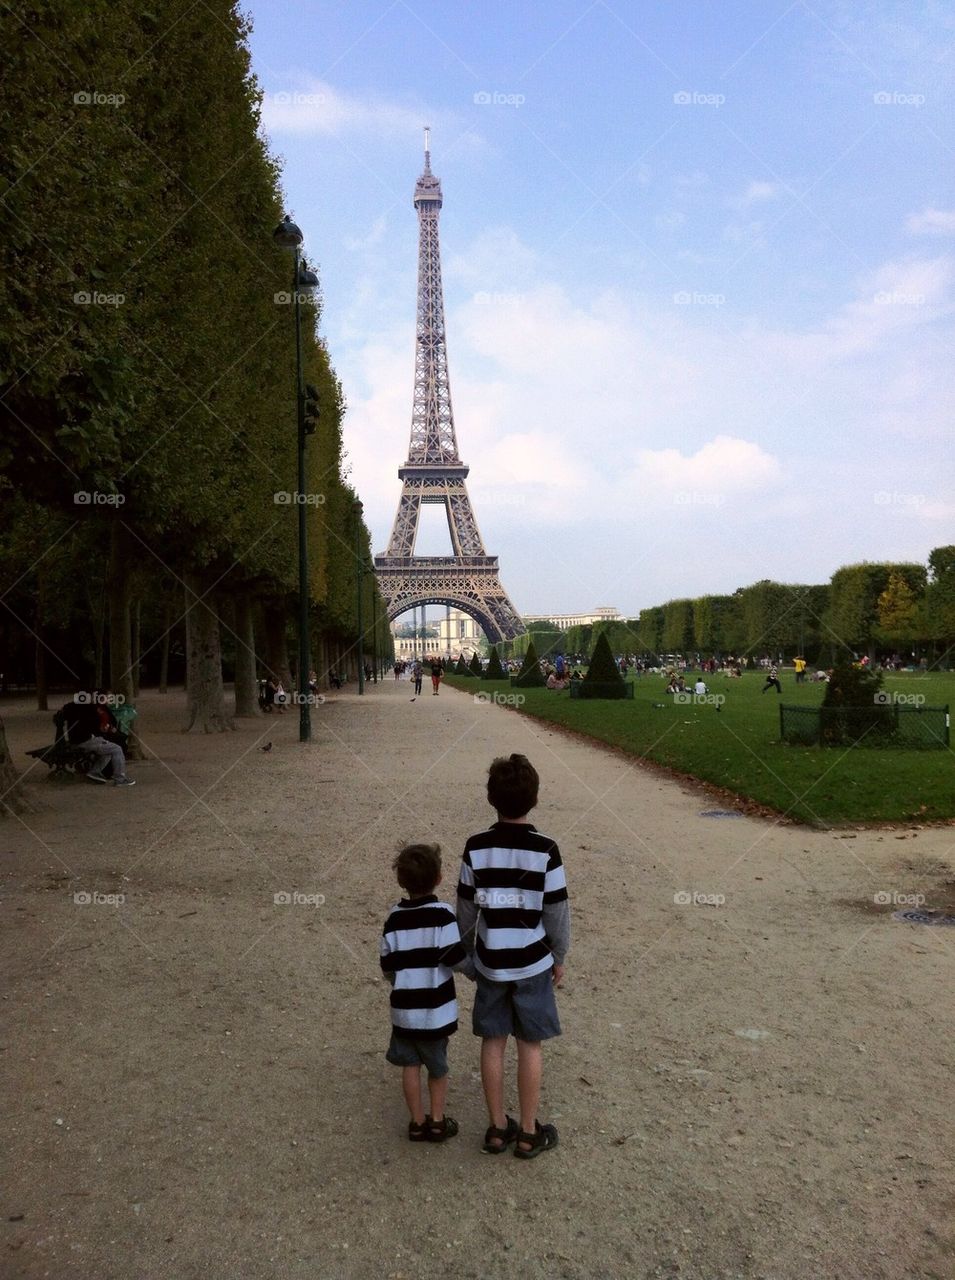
449,636
603,613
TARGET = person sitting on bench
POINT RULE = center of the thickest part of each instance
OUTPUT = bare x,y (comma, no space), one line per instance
81,724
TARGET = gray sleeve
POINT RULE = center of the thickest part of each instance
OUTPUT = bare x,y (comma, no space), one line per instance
556,921
467,922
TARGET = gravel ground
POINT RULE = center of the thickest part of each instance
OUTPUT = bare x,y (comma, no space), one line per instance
753,1083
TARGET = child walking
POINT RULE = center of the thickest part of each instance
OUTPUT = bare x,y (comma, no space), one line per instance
513,911
420,946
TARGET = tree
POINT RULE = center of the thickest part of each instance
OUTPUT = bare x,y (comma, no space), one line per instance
898,611
530,674
462,669
854,602
474,667
603,668
678,626
493,670
940,597
852,707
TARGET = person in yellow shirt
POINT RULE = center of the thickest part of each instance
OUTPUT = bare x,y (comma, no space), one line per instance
800,665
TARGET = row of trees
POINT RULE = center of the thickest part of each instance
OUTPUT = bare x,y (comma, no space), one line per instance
147,369
864,608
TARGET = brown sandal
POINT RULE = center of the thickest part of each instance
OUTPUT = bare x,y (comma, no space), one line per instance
544,1138
418,1132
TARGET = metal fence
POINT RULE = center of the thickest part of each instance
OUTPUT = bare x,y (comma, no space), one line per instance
881,725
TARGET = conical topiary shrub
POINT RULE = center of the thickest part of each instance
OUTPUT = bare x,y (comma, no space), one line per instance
603,678
493,670
854,706
602,669
462,667
474,667
530,675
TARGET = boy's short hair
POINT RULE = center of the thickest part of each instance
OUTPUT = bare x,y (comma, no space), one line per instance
418,867
512,786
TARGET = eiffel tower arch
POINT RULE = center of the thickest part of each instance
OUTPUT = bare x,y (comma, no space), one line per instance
434,474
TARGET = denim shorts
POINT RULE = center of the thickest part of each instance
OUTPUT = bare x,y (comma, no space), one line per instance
526,1009
406,1052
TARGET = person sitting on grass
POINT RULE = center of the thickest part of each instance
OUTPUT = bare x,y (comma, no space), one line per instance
420,946
513,912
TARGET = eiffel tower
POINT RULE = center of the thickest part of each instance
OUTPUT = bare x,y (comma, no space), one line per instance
467,580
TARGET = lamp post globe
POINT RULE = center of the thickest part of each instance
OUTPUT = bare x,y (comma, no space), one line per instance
288,235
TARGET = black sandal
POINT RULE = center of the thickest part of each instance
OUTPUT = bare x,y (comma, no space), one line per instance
441,1130
418,1132
504,1137
544,1138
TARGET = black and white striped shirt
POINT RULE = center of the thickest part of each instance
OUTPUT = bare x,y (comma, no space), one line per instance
513,888
420,944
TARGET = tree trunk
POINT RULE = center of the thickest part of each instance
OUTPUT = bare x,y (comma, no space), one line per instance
276,644
205,695
164,658
13,799
135,644
42,693
119,580
246,684
99,641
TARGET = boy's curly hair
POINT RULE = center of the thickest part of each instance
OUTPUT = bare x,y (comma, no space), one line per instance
418,867
512,786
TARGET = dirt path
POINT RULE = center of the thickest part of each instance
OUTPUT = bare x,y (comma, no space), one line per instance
194,1079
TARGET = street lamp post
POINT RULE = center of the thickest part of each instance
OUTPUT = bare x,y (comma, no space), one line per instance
374,601
288,236
361,568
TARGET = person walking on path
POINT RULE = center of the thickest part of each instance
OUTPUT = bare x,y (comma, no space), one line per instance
513,914
420,946
418,672
772,680
437,671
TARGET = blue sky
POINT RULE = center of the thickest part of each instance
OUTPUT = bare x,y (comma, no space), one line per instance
699,273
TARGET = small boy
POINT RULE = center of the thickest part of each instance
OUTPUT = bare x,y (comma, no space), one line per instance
512,888
420,945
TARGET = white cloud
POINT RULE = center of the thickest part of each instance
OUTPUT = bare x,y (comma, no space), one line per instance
615,422
315,106
758,192
932,222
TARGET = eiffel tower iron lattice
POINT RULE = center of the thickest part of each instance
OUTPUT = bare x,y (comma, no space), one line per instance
467,580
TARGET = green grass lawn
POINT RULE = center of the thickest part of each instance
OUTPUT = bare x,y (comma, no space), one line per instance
739,748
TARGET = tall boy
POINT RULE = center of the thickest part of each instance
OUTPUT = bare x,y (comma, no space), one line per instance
512,888
420,945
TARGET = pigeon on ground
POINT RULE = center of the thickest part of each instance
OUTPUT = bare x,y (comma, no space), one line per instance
267,747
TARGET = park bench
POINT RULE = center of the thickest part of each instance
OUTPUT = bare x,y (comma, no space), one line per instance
63,757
